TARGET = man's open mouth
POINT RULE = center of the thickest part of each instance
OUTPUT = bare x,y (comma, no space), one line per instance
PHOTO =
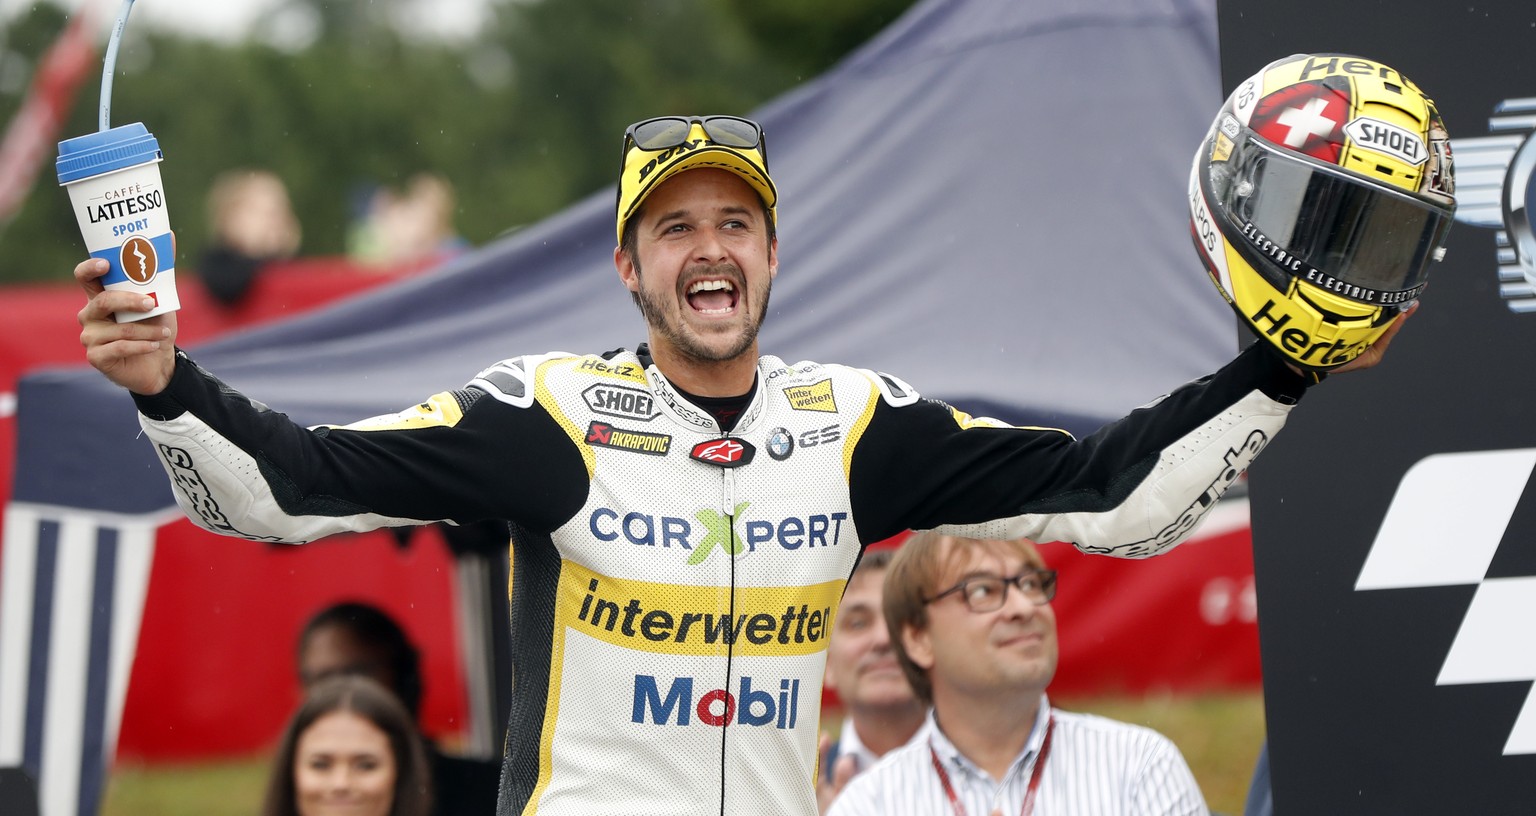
712,297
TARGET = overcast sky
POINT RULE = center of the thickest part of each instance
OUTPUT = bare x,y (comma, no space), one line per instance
229,19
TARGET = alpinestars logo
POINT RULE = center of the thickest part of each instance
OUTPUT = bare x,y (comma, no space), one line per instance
1494,190
1421,545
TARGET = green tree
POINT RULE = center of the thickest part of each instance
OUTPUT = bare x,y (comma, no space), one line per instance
523,119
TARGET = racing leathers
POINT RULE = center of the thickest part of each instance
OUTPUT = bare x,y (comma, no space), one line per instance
673,586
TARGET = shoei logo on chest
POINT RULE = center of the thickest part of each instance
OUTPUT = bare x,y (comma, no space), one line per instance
621,401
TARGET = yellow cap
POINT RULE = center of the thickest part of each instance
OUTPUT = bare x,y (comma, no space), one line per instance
645,170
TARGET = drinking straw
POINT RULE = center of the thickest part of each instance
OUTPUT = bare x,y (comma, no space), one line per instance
110,63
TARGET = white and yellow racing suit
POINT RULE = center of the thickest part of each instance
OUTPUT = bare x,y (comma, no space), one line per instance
673,585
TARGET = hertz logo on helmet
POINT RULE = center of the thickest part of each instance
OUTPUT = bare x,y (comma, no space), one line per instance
718,707
1300,343
1334,66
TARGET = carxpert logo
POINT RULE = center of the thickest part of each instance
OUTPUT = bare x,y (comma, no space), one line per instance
710,529
1420,544
1494,190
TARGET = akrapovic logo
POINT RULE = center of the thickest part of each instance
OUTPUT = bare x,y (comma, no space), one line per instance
604,435
1443,528
1494,190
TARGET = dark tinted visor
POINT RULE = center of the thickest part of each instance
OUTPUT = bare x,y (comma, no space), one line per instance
1373,236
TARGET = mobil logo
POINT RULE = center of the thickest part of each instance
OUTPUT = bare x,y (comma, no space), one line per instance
678,704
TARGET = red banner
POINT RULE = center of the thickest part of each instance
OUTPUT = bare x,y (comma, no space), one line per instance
32,134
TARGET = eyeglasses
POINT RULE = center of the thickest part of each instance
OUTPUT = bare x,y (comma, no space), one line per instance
672,131
987,593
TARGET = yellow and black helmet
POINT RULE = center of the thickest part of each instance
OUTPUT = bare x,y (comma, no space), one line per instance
1318,201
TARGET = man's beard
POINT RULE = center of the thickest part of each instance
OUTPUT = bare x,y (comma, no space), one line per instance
689,345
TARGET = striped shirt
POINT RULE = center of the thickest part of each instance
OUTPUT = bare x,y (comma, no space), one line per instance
849,744
1096,767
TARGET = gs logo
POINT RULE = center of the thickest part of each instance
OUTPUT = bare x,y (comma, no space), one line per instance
781,443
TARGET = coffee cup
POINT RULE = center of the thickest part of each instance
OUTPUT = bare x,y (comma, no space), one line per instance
113,179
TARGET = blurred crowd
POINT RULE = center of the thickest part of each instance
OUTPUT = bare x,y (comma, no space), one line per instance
252,225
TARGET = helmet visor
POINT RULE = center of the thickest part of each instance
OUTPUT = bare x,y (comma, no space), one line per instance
1344,233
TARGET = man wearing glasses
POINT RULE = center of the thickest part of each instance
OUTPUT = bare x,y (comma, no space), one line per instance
684,515
973,628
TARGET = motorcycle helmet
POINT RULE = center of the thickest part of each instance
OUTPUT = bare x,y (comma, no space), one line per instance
1318,201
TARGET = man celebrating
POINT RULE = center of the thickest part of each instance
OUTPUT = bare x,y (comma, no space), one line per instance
976,635
684,515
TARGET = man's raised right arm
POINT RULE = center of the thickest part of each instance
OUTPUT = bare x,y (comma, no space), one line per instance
242,469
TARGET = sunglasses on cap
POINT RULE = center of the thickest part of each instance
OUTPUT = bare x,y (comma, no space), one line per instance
665,132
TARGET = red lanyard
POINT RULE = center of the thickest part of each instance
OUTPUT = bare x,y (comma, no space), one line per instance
1034,777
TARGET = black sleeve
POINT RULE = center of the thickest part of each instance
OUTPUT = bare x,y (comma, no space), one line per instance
916,467
495,462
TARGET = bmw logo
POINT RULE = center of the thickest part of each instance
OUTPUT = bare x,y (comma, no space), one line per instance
780,444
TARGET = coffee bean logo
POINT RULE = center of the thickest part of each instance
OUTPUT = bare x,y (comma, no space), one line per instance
138,260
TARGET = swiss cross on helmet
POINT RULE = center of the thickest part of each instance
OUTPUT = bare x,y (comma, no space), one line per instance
1318,201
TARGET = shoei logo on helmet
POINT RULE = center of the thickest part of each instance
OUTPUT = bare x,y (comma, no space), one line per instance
1387,139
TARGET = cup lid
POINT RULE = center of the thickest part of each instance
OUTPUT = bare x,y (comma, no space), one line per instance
105,151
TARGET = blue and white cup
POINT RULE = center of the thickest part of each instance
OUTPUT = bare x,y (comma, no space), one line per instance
113,178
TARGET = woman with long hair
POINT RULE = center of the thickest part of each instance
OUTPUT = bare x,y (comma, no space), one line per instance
351,747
